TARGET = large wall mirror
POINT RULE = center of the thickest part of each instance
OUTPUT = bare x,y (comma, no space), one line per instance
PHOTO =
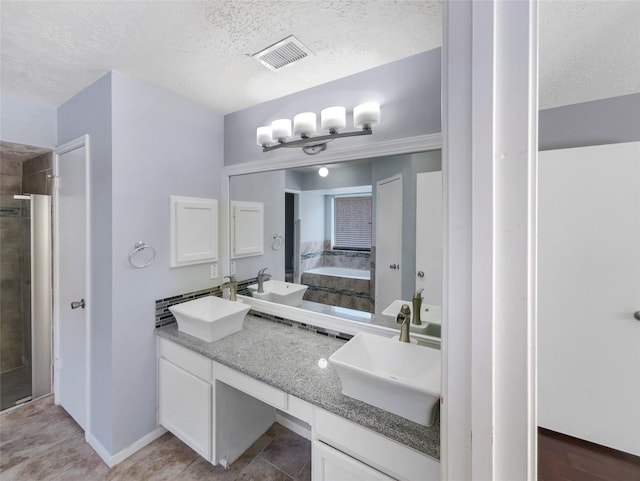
360,239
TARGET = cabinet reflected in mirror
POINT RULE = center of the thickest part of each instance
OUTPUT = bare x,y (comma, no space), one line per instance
367,234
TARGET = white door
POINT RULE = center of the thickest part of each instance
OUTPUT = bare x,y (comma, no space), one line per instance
429,236
71,304
588,291
388,242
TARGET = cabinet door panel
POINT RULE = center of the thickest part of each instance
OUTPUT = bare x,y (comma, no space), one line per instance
329,464
185,407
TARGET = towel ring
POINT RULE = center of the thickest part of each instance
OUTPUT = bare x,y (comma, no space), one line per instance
277,241
139,247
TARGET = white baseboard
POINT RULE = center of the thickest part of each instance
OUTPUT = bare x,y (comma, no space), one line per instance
300,430
113,459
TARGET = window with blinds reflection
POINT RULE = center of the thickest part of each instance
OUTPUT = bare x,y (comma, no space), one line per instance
352,222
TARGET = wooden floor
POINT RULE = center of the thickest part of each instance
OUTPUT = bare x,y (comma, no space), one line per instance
563,458
40,442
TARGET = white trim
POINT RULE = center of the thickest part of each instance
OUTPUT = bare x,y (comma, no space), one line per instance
455,404
80,142
489,163
111,460
483,257
407,145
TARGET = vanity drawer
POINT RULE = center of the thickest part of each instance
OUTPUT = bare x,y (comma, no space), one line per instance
259,390
188,360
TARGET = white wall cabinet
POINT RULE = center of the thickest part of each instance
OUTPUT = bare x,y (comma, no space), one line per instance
194,231
185,407
247,229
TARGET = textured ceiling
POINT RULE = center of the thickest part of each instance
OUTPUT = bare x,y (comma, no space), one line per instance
51,50
588,50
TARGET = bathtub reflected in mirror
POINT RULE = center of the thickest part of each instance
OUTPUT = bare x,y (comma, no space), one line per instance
330,238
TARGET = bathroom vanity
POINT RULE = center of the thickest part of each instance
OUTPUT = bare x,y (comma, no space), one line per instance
219,397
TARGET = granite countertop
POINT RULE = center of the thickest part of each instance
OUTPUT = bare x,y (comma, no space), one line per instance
287,358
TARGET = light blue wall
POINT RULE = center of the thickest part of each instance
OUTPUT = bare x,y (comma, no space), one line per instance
89,112
162,145
408,91
312,216
25,122
146,144
606,121
344,175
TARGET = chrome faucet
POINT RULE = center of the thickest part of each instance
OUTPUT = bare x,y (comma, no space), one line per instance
262,276
404,319
233,287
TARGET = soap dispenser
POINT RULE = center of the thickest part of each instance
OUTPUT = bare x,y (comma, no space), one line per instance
417,304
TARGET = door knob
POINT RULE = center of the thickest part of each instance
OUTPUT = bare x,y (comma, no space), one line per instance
420,274
76,304
637,315
394,266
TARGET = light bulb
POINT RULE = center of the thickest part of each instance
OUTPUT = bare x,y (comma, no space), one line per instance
304,124
264,136
333,119
366,115
323,171
281,129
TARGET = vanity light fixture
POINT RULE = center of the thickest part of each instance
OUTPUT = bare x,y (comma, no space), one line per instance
332,120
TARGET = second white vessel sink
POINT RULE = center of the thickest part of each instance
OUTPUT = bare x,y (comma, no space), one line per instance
210,318
279,291
399,377
430,315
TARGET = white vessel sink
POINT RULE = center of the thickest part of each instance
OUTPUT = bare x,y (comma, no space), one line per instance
210,318
430,315
279,291
399,377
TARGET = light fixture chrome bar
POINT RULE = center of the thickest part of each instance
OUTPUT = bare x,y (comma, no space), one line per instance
318,142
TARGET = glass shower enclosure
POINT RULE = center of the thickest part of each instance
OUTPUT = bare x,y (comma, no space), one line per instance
25,298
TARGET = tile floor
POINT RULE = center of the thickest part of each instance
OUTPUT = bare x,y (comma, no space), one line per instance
39,441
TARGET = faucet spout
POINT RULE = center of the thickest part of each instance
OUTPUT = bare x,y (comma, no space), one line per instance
403,319
417,304
233,287
262,276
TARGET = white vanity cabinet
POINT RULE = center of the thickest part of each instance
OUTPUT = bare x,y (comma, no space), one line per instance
345,450
329,464
185,398
219,412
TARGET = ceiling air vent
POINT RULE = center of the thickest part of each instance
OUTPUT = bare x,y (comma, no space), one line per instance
283,53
